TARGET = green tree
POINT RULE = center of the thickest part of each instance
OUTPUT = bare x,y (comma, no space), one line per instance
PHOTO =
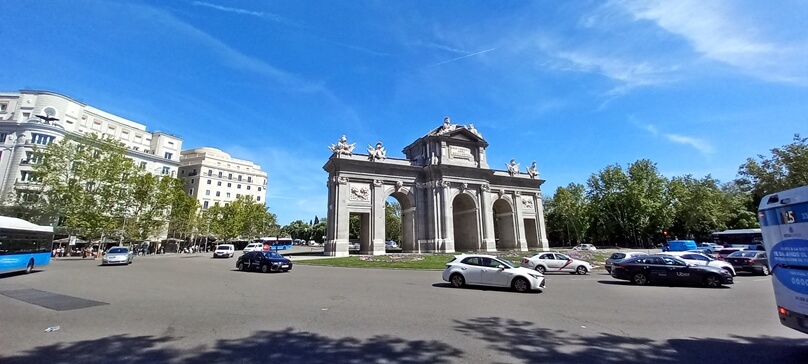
568,213
786,168
392,221
700,207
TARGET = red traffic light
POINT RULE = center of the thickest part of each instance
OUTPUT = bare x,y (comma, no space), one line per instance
665,232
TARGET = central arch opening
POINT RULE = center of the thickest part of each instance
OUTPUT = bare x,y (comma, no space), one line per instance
466,228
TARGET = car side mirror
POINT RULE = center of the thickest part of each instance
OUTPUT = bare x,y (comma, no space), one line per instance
501,267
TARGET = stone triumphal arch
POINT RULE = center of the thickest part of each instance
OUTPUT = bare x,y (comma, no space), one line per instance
450,199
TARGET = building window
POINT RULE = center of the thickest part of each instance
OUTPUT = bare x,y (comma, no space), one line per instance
218,193
229,184
249,179
210,172
238,186
191,193
28,176
207,192
248,187
238,195
41,139
192,181
258,198
208,181
3,107
205,205
220,174
182,172
229,176
228,195
166,170
194,172
239,177
142,165
3,137
219,183
259,188
168,155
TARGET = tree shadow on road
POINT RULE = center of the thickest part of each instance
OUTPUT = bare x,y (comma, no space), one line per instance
281,346
525,341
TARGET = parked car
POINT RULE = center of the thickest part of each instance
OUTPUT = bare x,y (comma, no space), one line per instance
589,247
487,270
354,245
117,255
390,245
681,245
251,247
556,262
754,261
265,261
620,256
669,270
697,258
724,253
224,251
709,248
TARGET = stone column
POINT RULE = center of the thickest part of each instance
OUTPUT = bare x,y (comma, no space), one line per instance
544,244
519,219
487,215
447,213
377,219
338,218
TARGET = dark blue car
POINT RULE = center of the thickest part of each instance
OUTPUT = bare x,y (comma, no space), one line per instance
264,261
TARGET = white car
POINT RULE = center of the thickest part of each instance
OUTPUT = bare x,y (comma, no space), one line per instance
589,247
556,262
487,270
224,251
251,247
701,259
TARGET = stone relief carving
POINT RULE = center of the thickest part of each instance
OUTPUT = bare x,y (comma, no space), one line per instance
517,193
335,180
443,183
360,193
513,167
527,203
377,153
532,171
422,184
464,186
486,187
342,147
399,184
377,182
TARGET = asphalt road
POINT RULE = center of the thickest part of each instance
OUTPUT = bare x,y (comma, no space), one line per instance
191,308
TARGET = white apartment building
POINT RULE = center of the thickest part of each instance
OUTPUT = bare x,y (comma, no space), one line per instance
216,178
37,118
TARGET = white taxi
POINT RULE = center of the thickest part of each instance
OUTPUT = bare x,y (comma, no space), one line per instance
488,270
556,262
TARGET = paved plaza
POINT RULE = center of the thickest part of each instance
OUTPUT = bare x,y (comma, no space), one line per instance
191,308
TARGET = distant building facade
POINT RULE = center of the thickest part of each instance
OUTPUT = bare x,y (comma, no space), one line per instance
215,178
32,118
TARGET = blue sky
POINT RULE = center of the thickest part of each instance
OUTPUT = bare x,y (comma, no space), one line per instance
695,86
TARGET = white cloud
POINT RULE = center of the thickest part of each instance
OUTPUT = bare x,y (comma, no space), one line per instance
259,14
704,147
726,34
629,74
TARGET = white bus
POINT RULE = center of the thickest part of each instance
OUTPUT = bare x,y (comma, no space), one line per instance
784,223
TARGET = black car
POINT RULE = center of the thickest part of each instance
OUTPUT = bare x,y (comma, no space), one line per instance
668,270
265,261
754,261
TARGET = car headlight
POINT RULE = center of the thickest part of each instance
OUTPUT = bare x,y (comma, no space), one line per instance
534,275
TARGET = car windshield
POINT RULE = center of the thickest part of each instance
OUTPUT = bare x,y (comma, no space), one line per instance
506,263
118,251
222,248
272,255
743,254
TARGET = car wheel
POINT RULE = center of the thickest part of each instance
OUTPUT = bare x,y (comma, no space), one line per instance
581,270
264,268
457,280
640,279
241,266
712,281
30,267
520,284
764,271
540,268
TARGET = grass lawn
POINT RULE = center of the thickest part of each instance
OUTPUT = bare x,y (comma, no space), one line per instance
434,261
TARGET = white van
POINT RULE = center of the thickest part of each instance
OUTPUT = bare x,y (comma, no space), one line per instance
251,247
224,251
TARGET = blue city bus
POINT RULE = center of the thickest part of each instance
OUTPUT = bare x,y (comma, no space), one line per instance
24,245
276,243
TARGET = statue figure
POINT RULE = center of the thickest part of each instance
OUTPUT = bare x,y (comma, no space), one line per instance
474,130
513,167
342,147
447,126
532,171
377,153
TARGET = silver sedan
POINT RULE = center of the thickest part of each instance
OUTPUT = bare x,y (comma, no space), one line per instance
117,255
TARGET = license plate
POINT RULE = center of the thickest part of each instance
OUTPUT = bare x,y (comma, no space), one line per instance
284,266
